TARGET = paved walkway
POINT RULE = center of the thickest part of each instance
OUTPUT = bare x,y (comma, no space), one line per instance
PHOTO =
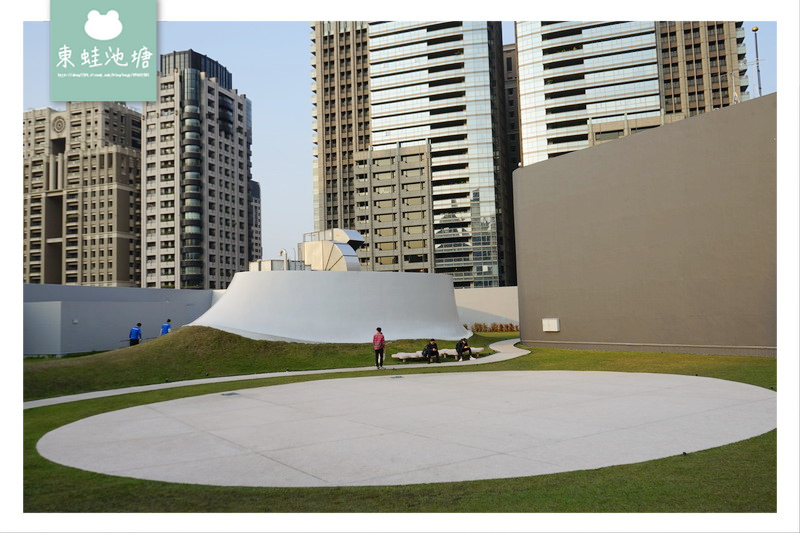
415,428
505,350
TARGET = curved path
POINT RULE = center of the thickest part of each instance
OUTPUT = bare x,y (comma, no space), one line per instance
393,429
505,350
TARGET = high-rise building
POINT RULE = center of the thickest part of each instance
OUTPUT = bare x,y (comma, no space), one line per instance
703,65
512,99
81,180
254,221
584,83
341,125
196,176
414,155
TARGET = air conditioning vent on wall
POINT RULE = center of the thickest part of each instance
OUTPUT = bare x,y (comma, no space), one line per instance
551,325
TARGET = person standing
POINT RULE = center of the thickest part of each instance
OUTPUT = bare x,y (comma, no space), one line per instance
166,327
378,344
135,335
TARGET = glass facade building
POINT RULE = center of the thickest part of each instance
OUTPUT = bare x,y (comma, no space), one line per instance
511,95
189,59
584,83
572,74
434,88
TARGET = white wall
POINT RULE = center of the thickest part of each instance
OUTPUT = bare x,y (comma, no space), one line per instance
488,305
327,306
60,319
41,326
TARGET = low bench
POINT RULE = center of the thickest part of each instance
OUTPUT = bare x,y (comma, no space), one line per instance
405,356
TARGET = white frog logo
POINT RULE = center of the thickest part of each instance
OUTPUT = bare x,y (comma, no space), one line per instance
103,27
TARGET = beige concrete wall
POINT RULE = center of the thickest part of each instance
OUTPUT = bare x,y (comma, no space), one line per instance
662,241
488,305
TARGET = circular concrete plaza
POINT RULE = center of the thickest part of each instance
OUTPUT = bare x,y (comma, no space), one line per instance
422,428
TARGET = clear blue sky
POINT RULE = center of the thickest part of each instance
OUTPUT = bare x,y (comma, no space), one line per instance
270,63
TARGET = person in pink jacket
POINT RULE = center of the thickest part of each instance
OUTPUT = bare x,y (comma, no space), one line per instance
378,343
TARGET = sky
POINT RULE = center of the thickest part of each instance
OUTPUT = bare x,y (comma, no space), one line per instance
277,80
278,83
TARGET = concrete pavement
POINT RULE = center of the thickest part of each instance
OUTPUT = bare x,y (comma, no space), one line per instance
393,429
505,350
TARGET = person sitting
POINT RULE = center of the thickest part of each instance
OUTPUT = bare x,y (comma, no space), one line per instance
462,347
431,350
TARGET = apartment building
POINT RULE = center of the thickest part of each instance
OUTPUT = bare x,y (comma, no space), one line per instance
419,142
196,176
81,195
340,98
392,207
511,73
703,65
585,83
256,251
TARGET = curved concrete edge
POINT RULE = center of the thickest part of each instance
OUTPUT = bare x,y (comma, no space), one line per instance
340,307
428,427
505,350
251,334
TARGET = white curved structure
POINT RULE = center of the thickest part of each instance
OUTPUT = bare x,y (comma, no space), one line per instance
323,306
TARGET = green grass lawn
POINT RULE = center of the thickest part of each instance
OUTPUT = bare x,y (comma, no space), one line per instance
200,352
737,478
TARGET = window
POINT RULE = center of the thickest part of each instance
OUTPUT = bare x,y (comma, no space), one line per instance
386,189
386,232
417,258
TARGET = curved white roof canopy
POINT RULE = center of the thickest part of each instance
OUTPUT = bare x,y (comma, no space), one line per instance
325,306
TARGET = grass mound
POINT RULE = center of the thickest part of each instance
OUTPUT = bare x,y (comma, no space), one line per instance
198,352
737,478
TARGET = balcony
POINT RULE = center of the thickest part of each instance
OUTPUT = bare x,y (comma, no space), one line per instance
193,142
744,82
452,262
190,114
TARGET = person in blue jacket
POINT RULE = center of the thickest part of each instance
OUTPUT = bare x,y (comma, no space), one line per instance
166,327
136,334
